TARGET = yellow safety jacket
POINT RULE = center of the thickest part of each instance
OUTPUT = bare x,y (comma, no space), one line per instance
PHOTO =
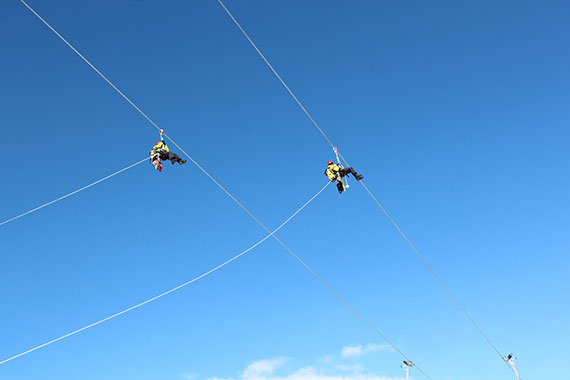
158,147
332,171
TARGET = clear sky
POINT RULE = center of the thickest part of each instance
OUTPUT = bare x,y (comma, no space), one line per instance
457,113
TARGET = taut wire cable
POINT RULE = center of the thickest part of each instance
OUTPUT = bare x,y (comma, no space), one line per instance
361,182
219,185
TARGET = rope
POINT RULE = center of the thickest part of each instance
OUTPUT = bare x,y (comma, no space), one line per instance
139,110
168,291
72,193
219,185
352,308
369,192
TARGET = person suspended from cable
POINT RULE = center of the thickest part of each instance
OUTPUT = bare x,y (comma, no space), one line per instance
160,152
337,172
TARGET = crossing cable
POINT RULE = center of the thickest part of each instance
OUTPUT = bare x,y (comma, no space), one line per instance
369,192
72,193
223,189
168,291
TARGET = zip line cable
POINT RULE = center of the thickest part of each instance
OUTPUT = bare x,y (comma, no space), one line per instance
138,110
72,193
168,291
276,74
432,271
369,192
219,185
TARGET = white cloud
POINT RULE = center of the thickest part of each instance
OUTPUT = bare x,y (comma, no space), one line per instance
188,376
258,370
328,359
329,367
265,370
352,351
359,349
313,374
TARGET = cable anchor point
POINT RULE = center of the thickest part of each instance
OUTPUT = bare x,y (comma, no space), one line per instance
407,365
510,359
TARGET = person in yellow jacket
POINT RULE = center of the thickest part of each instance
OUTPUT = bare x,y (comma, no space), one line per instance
335,172
160,152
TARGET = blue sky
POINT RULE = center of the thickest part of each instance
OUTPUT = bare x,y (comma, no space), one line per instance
457,115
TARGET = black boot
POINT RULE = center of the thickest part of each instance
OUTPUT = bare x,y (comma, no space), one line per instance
182,162
359,177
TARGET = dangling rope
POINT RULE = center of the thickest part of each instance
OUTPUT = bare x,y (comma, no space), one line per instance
171,290
72,193
345,178
361,182
224,189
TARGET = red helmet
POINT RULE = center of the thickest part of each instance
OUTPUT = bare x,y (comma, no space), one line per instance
330,162
158,142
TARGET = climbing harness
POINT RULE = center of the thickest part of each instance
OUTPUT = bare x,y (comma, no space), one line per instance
217,183
155,159
343,181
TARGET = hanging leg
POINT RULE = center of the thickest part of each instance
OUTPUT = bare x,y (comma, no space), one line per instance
351,170
174,158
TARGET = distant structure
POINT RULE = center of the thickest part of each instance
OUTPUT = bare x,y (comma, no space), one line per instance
407,365
511,360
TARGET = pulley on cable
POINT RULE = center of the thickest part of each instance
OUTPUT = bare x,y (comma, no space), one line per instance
407,365
336,172
510,359
160,152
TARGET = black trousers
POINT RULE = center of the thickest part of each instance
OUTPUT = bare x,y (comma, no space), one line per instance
345,171
164,156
